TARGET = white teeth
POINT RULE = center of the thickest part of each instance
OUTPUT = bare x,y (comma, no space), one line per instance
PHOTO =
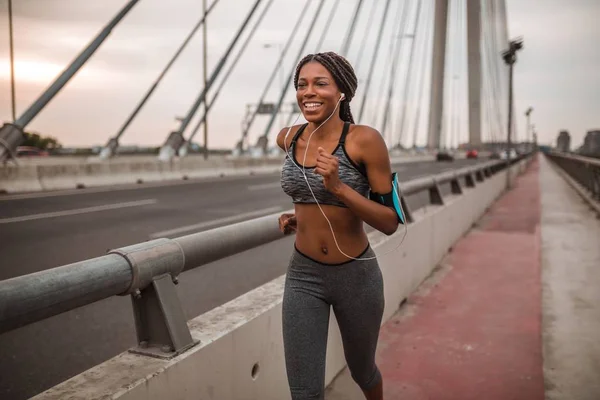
312,105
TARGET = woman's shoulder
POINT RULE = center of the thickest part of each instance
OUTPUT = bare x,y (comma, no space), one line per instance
364,136
286,135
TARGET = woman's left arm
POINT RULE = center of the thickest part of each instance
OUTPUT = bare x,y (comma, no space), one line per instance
376,158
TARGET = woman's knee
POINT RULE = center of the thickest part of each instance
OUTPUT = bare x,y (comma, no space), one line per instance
368,380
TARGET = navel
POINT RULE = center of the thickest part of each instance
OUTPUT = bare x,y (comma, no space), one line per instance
324,249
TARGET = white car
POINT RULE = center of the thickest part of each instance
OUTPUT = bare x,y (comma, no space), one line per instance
504,154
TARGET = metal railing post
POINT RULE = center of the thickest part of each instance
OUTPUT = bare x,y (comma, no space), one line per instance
435,194
455,186
470,180
160,322
479,176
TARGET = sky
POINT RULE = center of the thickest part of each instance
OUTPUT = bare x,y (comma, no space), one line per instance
556,73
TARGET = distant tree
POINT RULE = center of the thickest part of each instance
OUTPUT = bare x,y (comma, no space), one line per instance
34,139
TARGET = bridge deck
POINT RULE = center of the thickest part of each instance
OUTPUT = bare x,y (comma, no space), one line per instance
515,303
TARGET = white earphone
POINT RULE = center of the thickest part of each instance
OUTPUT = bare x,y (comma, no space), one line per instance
342,97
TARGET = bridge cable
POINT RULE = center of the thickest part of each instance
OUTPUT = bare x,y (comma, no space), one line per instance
374,59
485,120
448,68
448,124
350,31
427,48
365,36
504,68
489,79
165,70
72,69
484,69
456,116
327,26
388,64
290,76
202,96
463,56
488,107
395,71
230,70
410,73
495,57
497,60
271,78
492,128
504,44
319,47
460,103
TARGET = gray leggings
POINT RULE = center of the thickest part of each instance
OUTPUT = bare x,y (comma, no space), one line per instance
355,290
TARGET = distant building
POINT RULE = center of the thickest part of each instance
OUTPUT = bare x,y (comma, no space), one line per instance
591,143
563,142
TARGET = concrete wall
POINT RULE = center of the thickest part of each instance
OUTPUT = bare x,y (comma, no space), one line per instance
54,176
34,177
244,335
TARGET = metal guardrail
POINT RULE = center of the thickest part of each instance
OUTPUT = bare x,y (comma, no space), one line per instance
584,170
149,271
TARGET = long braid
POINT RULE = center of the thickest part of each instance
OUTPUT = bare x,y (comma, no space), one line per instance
342,73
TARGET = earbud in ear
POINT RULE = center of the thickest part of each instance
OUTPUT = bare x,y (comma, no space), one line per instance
342,97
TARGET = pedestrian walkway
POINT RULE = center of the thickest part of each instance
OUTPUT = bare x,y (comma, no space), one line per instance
473,330
571,291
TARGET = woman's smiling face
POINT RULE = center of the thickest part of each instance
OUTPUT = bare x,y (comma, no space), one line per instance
317,92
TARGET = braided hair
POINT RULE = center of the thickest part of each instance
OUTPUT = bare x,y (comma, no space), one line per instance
343,75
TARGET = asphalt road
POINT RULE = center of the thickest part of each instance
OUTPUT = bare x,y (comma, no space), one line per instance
42,231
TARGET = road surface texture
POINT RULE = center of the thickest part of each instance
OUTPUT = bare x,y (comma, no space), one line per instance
512,313
46,230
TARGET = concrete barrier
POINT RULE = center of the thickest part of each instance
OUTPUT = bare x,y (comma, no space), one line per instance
19,179
84,173
39,177
240,350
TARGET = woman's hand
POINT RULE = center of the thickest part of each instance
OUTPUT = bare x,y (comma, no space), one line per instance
328,167
287,223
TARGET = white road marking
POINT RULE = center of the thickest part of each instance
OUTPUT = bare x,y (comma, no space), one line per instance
126,187
77,211
207,224
271,185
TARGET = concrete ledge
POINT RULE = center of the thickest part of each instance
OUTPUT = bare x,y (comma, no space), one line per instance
35,177
29,178
19,179
240,355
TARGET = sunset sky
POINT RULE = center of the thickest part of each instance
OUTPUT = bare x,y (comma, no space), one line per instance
557,72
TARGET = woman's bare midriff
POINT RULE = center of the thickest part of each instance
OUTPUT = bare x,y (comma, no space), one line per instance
314,238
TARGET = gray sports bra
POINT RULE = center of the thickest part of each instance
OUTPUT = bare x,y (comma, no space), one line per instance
294,185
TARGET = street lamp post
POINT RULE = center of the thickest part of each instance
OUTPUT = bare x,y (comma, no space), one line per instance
527,114
12,61
205,78
510,58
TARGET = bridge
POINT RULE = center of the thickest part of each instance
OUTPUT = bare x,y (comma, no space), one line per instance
156,271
